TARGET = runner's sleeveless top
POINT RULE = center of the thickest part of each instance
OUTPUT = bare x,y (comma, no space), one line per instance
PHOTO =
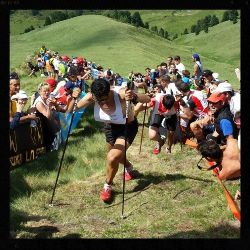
116,117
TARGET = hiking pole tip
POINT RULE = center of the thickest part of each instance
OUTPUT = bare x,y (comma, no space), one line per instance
123,216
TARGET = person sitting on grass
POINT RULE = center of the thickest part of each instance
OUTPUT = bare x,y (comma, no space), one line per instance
110,108
33,69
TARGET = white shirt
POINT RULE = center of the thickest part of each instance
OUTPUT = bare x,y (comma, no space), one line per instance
235,103
180,67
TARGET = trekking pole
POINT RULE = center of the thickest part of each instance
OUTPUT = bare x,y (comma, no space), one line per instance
143,127
179,121
125,153
66,142
144,116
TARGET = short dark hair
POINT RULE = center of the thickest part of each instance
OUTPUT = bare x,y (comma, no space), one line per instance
165,78
168,101
185,72
183,87
209,148
207,72
163,64
14,75
177,58
73,71
100,87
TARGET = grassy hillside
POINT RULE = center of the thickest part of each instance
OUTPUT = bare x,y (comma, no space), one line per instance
124,47
175,21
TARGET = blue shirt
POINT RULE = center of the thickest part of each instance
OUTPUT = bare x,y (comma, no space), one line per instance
226,127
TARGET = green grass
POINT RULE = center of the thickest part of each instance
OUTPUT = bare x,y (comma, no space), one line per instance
171,198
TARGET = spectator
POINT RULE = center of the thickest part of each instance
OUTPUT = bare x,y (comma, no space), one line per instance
64,96
40,64
73,76
197,70
232,97
20,116
33,69
49,66
52,84
42,50
179,65
170,60
223,118
210,82
14,89
44,109
173,73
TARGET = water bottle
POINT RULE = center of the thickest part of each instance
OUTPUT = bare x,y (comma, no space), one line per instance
33,122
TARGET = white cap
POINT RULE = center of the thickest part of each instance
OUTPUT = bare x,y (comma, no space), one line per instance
224,87
20,95
215,76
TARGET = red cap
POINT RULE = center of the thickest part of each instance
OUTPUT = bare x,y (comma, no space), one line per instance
65,58
80,60
216,97
51,82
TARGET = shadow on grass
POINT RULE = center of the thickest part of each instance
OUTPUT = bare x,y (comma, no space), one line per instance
213,232
18,217
146,179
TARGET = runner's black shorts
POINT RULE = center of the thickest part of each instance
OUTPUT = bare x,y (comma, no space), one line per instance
114,131
170,123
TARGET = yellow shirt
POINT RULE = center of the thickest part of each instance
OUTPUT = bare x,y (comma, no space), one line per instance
12,108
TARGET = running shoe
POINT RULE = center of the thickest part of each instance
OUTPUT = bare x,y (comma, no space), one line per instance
105,194
128,176
157,148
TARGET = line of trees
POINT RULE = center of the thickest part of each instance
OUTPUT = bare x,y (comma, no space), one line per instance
209,21
134,19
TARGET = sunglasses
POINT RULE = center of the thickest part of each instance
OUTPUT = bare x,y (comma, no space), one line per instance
207,168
